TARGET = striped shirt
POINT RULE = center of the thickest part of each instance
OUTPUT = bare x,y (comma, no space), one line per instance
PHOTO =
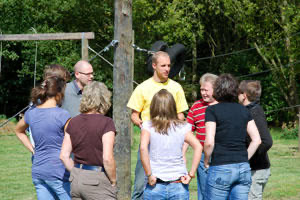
196,117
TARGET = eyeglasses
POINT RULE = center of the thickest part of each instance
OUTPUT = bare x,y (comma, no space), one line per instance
87,74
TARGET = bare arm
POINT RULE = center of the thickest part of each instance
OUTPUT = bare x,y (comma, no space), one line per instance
108,140
135,118
195,144
65,153
184,150
255,138
21,134
209,143
145,140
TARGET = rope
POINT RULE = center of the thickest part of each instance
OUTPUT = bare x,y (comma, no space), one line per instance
35,58
240,51
1,125
106,61
113,43
100,56
284,108
268,70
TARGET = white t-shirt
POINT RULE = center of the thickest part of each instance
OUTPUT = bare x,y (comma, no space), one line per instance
165,151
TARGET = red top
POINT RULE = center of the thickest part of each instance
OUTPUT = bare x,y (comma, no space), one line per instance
196,117
86,131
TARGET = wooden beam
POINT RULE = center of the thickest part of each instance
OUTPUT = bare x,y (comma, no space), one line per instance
47,36
122,89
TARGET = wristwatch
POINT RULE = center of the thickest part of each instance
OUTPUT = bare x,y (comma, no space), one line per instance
149,175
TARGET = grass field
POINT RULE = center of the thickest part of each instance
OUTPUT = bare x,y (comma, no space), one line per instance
15,172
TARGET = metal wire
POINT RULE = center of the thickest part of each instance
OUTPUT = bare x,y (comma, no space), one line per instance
113,43
15,115
35,58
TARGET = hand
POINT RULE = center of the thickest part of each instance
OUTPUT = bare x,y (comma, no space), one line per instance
186,179
113,183
152,180
137,121
206,164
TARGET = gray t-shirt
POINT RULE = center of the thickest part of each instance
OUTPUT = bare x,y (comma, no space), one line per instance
72,99
165,151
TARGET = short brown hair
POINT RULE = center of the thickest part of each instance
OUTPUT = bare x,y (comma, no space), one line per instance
158,54
226,88
95,97
163,112
252,88
57,71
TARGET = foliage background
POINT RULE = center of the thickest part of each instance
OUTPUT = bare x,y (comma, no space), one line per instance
207,28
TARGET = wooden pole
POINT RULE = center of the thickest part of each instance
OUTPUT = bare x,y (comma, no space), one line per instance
47,36
85,49
122,89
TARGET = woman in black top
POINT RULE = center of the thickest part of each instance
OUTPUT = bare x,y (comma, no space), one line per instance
249,95
227,124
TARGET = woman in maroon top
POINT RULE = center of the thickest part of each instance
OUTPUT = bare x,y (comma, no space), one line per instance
90,137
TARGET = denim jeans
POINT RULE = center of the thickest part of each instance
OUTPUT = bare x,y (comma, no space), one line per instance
139,180
52,190
165,191
259,181
231,181
201,178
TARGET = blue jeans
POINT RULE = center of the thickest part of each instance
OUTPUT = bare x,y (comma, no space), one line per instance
230,181
139,180
164,191
201,178
52,190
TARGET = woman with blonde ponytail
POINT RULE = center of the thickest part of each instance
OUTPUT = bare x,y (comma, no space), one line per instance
47,121
162,139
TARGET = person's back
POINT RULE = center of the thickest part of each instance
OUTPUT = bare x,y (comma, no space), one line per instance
165,135
47,122
166,151
249,95
47,126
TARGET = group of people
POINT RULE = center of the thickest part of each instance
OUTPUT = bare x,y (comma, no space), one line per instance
73,141
229,136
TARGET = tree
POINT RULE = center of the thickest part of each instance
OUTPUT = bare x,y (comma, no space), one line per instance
273,29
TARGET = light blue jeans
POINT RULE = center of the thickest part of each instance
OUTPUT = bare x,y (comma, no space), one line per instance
139,180
52,190
165,191
230,181
201,178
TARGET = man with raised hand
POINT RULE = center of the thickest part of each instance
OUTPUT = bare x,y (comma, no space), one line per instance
140,101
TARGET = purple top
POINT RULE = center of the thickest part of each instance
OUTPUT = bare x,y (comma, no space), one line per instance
47,127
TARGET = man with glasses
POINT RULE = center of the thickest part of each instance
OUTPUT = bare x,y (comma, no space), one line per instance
83,71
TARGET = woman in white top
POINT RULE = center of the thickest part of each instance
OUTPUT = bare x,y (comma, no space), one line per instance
162,139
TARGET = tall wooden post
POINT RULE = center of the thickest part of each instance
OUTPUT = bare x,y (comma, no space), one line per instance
84,49
122,89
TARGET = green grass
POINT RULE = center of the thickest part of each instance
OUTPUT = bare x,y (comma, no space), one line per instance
284,182
16,184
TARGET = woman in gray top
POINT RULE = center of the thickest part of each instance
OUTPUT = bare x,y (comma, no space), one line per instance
165,135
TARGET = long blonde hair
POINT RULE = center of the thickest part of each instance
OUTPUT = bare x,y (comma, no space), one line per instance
163,112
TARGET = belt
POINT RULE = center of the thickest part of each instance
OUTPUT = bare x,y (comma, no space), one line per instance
158,180
89,167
